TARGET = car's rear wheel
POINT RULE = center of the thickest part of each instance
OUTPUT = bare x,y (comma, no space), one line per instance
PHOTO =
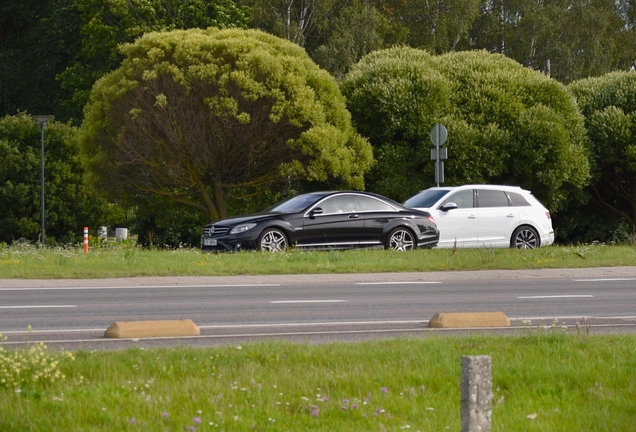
272,240
400,239
525,237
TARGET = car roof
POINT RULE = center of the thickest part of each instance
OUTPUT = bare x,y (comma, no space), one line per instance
325,194
478,186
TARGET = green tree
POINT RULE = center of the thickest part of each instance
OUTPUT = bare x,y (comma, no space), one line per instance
299,21
335,33
69,203
355,31
579,38
507,124
609,106
197,115
439,27
105,24
38,39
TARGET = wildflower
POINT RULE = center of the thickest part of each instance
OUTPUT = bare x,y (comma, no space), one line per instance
354,406
314,413
325,399
344,407
345,401
197,420
164,415
532,416
384,390
132,420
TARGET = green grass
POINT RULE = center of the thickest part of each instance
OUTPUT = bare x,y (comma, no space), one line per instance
126,260
570,382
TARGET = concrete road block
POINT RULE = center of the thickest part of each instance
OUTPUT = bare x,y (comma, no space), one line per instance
149,329
469,320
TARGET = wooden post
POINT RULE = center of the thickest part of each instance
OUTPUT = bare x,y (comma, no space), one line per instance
476,388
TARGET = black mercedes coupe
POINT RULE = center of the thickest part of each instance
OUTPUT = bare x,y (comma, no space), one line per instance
325,220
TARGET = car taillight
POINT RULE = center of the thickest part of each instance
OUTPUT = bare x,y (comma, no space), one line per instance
433,220
547,214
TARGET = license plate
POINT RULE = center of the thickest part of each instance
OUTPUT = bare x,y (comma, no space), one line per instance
209,242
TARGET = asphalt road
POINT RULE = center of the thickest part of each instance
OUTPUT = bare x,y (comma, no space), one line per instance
317,308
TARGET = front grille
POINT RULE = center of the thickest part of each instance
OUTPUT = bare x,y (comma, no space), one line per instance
215,231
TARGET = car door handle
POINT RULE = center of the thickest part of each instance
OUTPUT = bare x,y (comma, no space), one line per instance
472,217
353,216
510,215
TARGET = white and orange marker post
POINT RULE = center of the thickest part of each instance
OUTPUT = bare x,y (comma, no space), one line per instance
85,239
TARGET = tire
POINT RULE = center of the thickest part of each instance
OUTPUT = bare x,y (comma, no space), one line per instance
272,240
525,237
400,239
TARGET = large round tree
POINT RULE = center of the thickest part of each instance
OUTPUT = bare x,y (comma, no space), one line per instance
194,115
506,123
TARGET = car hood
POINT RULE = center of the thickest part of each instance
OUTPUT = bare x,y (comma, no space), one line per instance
242,219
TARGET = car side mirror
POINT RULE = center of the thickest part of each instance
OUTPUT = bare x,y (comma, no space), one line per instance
448,206
315,211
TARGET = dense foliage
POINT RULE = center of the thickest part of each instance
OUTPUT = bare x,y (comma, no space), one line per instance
609,106
507,124
38,40
69,203
76,40
570,39
198,115
106,24
53,51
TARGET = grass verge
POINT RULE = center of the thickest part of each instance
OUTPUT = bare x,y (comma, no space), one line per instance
126,260
543,380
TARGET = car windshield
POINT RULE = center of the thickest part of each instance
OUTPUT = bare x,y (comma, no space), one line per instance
295,204
426,198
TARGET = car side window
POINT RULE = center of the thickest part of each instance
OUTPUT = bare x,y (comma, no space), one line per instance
372,204
491,198
463,199
518,200
339,204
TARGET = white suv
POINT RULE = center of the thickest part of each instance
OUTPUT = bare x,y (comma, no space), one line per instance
486,216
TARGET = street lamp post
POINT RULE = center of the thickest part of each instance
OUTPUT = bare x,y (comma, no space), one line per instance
42,120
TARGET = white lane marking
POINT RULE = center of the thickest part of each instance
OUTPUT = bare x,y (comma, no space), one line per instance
310,301
320,324
571,317
138,287
37,307
556,296
398,283
605,280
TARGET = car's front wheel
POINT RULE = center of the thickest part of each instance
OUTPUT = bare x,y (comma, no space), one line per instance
400,239
272,240
525,237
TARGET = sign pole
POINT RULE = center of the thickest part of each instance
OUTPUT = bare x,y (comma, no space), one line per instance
439,135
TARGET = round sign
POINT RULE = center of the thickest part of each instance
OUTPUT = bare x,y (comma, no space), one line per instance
439,135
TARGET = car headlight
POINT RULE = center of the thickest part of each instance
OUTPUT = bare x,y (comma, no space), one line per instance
242,228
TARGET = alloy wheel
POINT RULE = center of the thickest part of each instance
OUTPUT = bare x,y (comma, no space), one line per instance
401,240
526,238
273,241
